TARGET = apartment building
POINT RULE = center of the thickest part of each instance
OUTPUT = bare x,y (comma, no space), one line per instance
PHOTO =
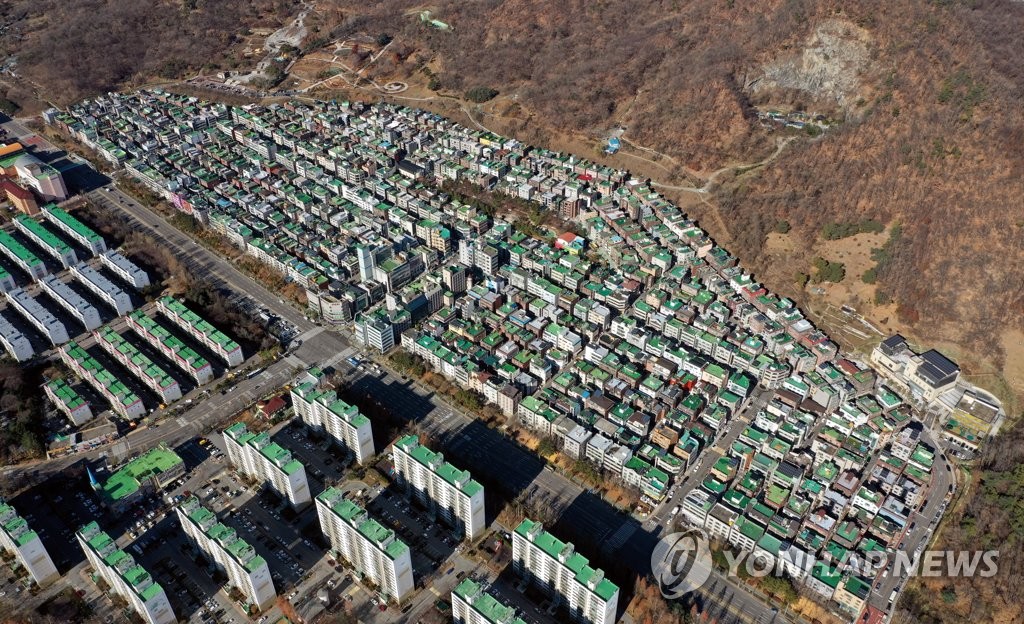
46,240
245,569
74,228
323,411
68,401
556,567
449,493
122,400
21,541
21,256
125,269
40,318
471,605
256,456
125,578
6,281
370,549
129,356
171,346
72,302
147,473
103,288
201,330
14,341
375,331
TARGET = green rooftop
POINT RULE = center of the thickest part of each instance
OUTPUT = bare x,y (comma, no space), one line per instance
43,235
194,323
73,224
492,611
19,251
357,518
15,526
577,563
429,459
129,478
281,457
65,394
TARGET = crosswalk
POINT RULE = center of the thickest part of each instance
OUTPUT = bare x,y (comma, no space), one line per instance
345,353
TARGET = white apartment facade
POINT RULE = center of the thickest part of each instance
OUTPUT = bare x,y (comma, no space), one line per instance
257,457
447,491
323,411
370,549
125,578
20,540
245,569
471,605
554,565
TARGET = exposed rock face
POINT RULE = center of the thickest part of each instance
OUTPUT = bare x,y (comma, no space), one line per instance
829,68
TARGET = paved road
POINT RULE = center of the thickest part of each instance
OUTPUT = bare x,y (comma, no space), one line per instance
924,522
692,480
497,461
192,422
204,413
206,263
485,451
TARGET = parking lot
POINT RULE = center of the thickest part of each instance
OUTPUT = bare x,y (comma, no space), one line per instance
290,540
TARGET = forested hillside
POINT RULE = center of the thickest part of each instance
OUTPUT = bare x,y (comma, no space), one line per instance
924,146
926,96
992,519
65,51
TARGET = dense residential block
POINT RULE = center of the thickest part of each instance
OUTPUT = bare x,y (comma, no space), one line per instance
566,575
449,493
221,544
323,411
634,358
370,549
171,346
256,456
124,576
21,541
139,364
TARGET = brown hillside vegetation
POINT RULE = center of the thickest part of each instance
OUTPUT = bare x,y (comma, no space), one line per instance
75,49
941,151
928,94
929,142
